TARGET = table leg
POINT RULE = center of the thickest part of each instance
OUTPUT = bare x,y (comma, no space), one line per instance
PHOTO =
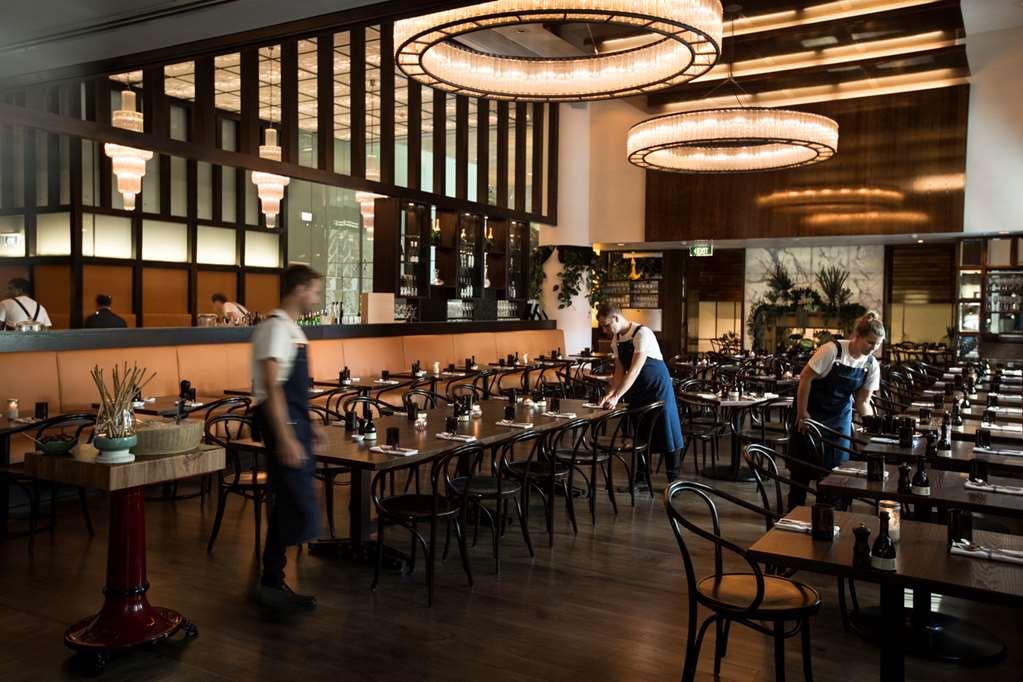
126,620
733,471
5,490
893,665
358,508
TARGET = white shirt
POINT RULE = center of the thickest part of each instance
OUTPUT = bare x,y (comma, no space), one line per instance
824,359
234,310
643,341
277,337
11,313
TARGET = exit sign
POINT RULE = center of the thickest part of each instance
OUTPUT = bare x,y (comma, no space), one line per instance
700,250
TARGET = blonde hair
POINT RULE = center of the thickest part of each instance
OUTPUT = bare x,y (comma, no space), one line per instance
870,323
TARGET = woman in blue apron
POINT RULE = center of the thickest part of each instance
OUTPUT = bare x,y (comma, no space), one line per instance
641,378
287,432
841,376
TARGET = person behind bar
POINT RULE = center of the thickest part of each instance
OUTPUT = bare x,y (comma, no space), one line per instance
840,376
104,317
19,306
280,372
231,312
641,378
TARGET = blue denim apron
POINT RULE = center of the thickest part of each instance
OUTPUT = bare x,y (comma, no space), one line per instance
653,384
293,489
831,402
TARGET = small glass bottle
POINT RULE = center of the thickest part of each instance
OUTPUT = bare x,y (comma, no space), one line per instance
945,442
920,485
893,509
370,430
882,554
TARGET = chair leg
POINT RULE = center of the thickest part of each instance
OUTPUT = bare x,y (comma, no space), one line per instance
779,651
378,564
33,513
84,504
719,645
609,479
525,527
843,608
221,503
463,551
429,552
807,653
328,500
258,506
53,507
693,646
570,504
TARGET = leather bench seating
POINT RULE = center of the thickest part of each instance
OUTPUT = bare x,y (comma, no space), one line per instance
63,378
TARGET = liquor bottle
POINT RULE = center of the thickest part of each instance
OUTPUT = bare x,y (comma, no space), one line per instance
882,554
921,485
370,431
957,415
945,443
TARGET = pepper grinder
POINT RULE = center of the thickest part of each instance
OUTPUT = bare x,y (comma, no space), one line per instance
905,478
861,547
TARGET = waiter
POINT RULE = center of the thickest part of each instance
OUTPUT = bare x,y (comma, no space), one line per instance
641,378
104,317
280,372
233,313
19,306
839,376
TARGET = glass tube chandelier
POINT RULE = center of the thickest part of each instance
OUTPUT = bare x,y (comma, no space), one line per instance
128,163
270,186
367,207
684,43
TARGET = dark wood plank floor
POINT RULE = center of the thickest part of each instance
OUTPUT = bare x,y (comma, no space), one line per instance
607,604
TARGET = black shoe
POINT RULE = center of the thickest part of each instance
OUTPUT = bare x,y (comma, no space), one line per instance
283,598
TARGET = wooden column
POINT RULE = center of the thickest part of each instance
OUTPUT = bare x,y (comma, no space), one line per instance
483,150
440,141
461,146
289,101
386,154
357,81
415,134
520,155
325,101
502,154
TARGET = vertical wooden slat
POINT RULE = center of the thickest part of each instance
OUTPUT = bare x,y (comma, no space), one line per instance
191,233
101,98
483,150
440,140
552,165
502,154
52,160
415,134
357,80
521,109
461,146
325,101
288,67
387,102
538,160
204,120
75,200
248,128
154,102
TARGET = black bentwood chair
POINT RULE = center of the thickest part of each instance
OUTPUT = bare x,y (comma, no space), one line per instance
631,444
444,502
765,603
245,474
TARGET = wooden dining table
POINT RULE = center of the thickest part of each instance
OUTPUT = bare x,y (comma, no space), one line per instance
9,427
957,459
923,563
167,405
340,449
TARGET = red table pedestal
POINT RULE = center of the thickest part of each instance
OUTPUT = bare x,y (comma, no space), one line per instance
127,619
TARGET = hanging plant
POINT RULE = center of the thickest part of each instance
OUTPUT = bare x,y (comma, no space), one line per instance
598,276
537,257
575,273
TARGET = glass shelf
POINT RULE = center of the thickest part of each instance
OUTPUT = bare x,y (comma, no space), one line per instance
1004,298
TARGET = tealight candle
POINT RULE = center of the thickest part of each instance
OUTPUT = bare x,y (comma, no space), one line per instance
436,368
12,408
525,358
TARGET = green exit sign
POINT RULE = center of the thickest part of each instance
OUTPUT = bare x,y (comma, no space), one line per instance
701,250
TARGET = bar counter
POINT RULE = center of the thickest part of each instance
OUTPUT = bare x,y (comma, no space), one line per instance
90,339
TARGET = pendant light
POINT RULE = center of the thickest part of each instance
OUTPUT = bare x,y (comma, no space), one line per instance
129,163
270,186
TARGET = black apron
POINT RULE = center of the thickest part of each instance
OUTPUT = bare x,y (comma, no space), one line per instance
653,384
293,489
831,402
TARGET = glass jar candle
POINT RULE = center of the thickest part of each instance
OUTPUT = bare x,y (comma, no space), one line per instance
894,516
12,408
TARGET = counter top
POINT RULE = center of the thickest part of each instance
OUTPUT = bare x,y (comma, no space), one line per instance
90,339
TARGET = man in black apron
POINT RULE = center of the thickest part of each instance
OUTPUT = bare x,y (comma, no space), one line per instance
20,306
641,378
280,374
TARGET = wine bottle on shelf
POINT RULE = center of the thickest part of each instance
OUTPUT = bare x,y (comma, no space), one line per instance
882,554
945,442
920,485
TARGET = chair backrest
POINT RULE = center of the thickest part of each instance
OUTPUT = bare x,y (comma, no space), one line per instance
776,411
643,420
569,438
368,406
77,422
423,400
763,462
444,469
223,429
822,436
230,405
685,523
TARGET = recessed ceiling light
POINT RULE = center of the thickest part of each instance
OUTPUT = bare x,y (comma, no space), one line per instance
919,241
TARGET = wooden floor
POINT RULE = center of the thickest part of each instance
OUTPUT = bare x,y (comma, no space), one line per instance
607,604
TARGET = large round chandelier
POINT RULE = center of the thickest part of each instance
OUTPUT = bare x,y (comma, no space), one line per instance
270,186
815,199
128,163
685,43
732,140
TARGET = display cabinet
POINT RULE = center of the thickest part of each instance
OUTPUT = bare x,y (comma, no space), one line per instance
401,254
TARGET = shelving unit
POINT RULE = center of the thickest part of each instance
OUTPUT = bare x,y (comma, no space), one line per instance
401,254
643,293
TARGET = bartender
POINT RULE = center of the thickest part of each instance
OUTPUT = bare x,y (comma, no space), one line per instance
280,372
641,378
839,377
19,306
230,311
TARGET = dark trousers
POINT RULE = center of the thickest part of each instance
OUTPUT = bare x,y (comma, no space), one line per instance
290,488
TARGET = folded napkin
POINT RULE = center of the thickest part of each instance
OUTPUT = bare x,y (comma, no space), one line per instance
922,404
25,420
1012,372
191,403
985,487
387,450
352,380
138,403
954,370
1018,428
150,399
963,548
797,526
1009,397
452,374
592,406
457,436
995,451
707,396
1003,409
317,390
853,471
768,396
599,377
514,424
386,381
560,415
884,439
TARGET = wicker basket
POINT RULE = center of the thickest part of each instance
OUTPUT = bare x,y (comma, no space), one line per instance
164,437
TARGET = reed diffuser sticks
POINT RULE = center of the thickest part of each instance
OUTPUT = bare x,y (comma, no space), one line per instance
116,414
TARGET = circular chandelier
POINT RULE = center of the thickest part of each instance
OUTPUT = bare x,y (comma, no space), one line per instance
902,217
732,140
128,163
830,198
686,44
